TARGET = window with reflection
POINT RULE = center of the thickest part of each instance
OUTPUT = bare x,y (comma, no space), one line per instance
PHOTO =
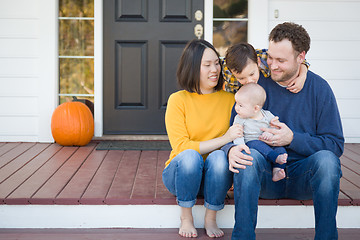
76,50
230,23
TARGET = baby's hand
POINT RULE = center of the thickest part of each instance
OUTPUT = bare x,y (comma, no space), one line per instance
266,136
274,121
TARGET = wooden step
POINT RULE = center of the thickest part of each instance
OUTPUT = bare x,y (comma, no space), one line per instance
158,234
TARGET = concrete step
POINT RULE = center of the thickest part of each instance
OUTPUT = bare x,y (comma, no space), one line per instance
158,216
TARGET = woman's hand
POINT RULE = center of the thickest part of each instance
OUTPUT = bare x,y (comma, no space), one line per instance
237,159
232,133
235,131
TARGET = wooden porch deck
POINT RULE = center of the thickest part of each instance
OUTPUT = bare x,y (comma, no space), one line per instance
49,174
40,173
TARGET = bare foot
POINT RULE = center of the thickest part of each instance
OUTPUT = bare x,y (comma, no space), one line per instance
187,228
282,158
278,174
212,230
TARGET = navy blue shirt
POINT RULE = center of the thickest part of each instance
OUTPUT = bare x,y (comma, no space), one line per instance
312,115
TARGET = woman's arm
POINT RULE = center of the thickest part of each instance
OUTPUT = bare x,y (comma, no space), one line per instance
177,130
235,131
175,122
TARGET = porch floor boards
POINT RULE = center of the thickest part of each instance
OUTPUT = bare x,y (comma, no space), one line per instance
158,234
42,173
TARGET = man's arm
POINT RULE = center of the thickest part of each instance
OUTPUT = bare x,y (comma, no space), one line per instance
328,133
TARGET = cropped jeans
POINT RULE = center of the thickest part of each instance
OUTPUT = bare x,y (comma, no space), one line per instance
188,176
316,177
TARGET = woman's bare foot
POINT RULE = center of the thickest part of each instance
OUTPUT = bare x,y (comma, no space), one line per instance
282,158
278,174
212,230
187,228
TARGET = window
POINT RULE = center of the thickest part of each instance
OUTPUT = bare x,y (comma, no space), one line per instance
76,50
230,23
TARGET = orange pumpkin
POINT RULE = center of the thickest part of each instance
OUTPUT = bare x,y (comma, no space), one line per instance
72,124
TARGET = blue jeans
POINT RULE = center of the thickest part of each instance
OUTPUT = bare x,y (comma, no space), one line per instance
316,177
188,176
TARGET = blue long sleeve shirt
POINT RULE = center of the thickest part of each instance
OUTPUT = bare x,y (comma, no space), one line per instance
312,115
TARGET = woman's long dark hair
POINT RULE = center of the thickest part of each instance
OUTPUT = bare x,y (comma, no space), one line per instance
188,71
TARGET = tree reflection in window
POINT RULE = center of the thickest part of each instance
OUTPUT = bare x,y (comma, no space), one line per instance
76,49
230,23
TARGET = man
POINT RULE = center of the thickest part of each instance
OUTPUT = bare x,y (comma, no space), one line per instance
310,129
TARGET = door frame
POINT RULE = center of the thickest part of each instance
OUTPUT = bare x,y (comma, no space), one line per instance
257,35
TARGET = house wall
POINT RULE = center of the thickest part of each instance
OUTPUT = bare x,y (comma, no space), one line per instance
29,62
28,69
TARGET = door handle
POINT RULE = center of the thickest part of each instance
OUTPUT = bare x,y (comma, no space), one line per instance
198,30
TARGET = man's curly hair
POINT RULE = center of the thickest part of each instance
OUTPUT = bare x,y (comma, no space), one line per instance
295,33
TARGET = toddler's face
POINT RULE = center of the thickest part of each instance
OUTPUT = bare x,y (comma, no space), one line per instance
243,107
249,74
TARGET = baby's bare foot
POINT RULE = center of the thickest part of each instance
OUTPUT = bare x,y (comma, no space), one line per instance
278,174
282,158
212,230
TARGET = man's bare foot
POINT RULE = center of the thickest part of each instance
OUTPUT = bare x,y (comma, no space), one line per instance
212,230
278,174
282,158
187,228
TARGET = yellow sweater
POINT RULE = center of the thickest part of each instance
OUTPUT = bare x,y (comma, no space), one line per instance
192,118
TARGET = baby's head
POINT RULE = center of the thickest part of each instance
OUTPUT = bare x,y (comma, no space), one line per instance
249,100
242,61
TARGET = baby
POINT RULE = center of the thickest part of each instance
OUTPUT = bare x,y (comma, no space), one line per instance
250,99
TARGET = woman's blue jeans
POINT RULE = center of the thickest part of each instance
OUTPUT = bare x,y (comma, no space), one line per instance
188,176
316,177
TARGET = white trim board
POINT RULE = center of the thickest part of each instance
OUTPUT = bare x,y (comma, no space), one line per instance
157,216
98,68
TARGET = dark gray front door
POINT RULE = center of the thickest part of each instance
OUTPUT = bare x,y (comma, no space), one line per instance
143,41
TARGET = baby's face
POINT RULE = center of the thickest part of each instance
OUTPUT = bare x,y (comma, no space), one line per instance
243,107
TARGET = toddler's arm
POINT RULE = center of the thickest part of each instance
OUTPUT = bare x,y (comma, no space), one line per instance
297,84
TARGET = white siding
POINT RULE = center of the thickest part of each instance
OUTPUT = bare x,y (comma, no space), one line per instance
28,69
334,53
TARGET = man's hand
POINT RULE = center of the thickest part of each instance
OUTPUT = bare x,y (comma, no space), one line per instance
237,159
282,134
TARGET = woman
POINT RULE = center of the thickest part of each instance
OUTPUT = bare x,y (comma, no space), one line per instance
197,122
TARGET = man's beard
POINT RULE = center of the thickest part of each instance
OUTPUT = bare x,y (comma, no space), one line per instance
285,76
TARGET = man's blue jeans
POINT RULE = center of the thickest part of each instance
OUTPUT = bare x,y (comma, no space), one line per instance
316,177
188,176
